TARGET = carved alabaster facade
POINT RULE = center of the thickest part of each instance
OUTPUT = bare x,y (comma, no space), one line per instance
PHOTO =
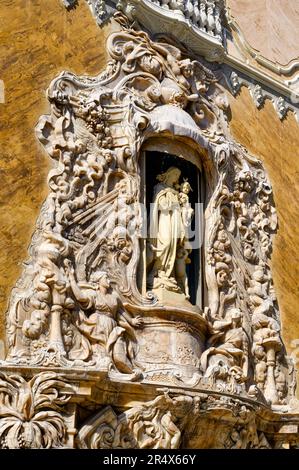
84,340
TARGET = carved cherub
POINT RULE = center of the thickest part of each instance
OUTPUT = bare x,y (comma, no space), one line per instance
49,284
183,251
259,292
237,439
264,327
120,244
221,246
183,77
260,368
187,211
281,384
182,258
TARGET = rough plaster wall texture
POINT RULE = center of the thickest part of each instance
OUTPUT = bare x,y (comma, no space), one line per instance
38,40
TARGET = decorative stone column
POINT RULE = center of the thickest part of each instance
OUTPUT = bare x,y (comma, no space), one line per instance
272,346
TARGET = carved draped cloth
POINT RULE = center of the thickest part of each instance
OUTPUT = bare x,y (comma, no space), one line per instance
100,328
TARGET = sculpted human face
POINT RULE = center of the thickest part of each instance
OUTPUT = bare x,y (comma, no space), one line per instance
235,436
222,236
236,318
121,243
173,177
222,277
186,187
187,69
259,352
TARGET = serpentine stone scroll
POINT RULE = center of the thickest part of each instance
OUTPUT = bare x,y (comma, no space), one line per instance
77,311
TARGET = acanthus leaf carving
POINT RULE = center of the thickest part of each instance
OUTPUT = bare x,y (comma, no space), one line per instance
31,411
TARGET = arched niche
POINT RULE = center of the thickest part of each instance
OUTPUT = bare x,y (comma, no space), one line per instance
158,154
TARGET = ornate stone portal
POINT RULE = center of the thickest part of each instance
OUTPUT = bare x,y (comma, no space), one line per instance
93,361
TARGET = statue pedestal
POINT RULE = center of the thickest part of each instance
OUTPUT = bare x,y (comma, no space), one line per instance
169,298
172,339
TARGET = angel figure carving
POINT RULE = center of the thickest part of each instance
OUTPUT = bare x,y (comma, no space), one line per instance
109,328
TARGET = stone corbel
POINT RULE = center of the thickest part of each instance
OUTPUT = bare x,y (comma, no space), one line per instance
259,94
102,10
281,107
235,83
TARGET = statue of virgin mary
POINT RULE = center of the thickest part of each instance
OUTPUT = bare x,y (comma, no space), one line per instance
167,231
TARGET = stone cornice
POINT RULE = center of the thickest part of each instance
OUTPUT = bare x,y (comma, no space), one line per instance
281,95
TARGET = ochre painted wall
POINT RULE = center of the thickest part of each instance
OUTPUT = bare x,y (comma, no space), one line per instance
276,143
38,39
